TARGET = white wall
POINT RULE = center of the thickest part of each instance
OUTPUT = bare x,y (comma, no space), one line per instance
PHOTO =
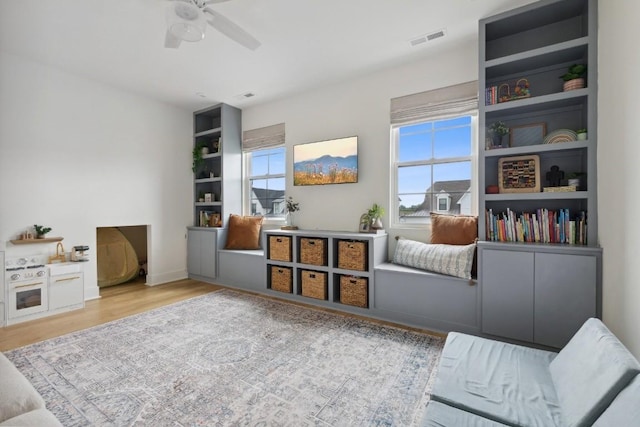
76,155
357,107
618,160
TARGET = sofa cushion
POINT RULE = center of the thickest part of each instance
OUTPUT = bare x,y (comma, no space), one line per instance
453,260
503,382
625,408
590,371
37,417
441,415
17,395
244,232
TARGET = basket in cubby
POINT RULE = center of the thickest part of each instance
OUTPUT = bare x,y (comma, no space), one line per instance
280,248
520,91
313,251
352,255
281,279
354,291
314,284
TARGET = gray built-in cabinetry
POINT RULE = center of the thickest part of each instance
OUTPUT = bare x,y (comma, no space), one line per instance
217,128
329,268
539,292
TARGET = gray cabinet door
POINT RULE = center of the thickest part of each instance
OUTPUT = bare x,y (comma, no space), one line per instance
201,253
565,296
507,293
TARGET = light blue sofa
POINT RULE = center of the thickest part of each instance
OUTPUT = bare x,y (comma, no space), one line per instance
480,382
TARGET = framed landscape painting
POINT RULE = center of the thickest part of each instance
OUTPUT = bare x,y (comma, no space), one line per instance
334,161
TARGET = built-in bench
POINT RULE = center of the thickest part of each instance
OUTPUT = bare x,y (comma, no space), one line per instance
427,300
242,268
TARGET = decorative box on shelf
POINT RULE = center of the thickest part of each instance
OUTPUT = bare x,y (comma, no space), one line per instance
561,189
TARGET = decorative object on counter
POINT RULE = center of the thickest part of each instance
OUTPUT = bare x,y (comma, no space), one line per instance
530,134
576,179
59,256
581,134
560,135
497,130
365,223
375,213
41,230
519,174
554,176
79,254
291,207
573,77
208,197
520,90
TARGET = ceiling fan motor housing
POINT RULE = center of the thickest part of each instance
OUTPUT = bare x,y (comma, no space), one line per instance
186,21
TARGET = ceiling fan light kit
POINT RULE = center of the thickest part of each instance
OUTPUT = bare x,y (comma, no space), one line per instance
187,21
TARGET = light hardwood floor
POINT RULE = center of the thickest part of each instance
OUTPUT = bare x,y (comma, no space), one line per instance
116,302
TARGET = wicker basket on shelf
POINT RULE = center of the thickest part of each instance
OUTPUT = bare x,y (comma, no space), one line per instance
354,291
313,251
281,279
280,248
352,255
314,284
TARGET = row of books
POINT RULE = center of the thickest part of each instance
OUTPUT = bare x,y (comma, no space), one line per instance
491,95
541,226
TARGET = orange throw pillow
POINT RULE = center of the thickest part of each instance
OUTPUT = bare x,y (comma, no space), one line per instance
244,232
453,229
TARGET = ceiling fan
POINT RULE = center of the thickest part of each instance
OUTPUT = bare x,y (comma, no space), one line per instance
187,20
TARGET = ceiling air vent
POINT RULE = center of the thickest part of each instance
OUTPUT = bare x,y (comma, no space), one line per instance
427,37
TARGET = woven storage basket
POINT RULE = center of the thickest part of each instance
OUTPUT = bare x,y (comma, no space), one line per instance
280,248
314,284
281,279
352,255
313,251
354,291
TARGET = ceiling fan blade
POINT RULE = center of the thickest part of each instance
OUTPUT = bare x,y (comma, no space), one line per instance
214,1
232,30
171,41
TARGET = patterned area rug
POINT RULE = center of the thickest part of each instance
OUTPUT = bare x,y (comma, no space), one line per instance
229,358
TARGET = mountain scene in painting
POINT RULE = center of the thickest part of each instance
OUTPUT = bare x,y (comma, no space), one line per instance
326,162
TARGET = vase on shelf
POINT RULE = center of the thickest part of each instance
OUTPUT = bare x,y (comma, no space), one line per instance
290,219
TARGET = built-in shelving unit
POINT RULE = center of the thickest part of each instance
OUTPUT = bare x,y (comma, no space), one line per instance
531,291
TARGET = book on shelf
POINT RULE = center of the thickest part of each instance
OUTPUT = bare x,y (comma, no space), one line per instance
491,95
541,226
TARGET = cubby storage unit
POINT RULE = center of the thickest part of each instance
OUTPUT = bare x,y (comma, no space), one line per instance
217,179
332,269
534,45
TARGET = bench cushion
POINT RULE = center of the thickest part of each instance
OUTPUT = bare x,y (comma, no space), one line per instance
590,371
625,408
502,382
441,415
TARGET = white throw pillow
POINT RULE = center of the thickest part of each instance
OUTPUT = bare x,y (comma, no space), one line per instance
452,260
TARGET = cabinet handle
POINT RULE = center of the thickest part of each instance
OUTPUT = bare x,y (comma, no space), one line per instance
29,285
67,279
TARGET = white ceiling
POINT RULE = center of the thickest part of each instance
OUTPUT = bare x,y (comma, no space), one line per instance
305,43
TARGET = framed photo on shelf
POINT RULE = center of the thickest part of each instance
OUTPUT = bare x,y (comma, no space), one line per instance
365,225
519,174
530,134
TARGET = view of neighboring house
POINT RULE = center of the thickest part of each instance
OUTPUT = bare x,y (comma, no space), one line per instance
453,197
267,202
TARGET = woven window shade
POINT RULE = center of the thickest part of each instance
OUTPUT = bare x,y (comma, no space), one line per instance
447,101
266,137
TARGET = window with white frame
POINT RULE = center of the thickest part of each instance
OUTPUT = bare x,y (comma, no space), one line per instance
433,168
264,171
265,182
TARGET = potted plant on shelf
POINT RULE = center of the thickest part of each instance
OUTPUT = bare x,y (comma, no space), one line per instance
576,179
497,131
198,151
581,134
573,77
291,207
41,230
376,212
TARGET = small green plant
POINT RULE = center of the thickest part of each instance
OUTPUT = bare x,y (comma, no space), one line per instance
499,128
197,156
41,230
581,131
375,211
291,205
575,175
575,72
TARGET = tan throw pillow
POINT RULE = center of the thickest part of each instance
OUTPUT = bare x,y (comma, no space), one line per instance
244,232
453,229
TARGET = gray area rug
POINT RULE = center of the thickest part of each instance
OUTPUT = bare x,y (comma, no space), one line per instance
229,358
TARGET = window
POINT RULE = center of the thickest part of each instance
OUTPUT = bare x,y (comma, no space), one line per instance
265,182
433,168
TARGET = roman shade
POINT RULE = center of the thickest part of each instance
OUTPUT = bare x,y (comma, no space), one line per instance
265,137
447,101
